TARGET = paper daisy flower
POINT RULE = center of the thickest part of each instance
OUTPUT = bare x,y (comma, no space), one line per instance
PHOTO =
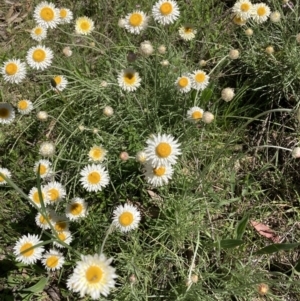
65,15
94,177
129,80
162,149
200,79
64,236
7,113
53,260
184,84
195,114
39,57
34,196
55,192
46,15
45,168
158,176
47,149
243,9
126,218
24,106
92,276
84,25
97,153
13,71
59,83
60,224
76,209
238,20
6,173
260,13
165,12
187,32
41,221
26,251
136,22
38,33
141,157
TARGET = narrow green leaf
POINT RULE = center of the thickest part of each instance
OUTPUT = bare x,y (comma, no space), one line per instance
276,248
230,243
206,95
38,287
241,227
297,266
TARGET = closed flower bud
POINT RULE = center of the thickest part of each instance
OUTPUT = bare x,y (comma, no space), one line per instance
47,149
234,54
124,156
208,117
146,48
249,32
296,152
275,17
42,116
67,51
269,50
202,63
227,94
108,111
263,289
162,49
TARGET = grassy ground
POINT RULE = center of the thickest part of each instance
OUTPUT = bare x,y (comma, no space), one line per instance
195,240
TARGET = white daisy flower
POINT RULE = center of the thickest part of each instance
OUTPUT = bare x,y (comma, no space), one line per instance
38,33
25,106
238,20
39,57
7,113
65,15
45,168
261,12
46,15
195,114
59,83
136,22
200,79
76,209
187,32
64,236
35,198
92,276
47,149
162,149
94,177
129,80
184,84
25,250
158,176
243,9
53,260
60,223
165,12
13,71
41,221
55,191
97,153
126,217
84,25
6,173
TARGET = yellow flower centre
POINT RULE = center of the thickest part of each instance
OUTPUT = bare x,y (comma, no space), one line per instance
4,113
47,14
261,11
245,7
126,219
94,177
188,29
36,197
166,8
62,236
200,77
22,104
57,79
197,115
52,261
43,169
25,247
76,209
129,78
96,153
42,220
1,179
159,171
60,226
53,194
11,68
183,82
63,13
163,150
39,55
85,25
93,275
136,19
38,31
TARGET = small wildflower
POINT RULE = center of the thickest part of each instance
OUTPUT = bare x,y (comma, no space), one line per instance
200,80
165,12
243,9
46,15
97,153
263,289
124,156
275,17
249,32
59,83
269,50
38,33
76,209
184,84
136,22
126,217
260,13
39,57
195,114
13,71
84,25
53,260
141,157
122,22
24,106
129,80
65,15
165,63
187,32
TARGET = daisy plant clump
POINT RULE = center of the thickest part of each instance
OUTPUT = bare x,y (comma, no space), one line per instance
13,71
24,106
46,14
136,22
84,25
165,12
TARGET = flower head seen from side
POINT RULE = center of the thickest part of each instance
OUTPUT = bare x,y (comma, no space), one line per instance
200,80
42,222
24,106
129,80
97,153
39,57
195,114
187,32
162,149
53,260
237,20
65,237
60,223
35,197
13,71
65,15
38,33
45,168
7,113
243,9
55,192
46,15
94,177
84,25
92,276
26,251
165,12
59,83
136,22
76,209
126,217
261,12
6,173
158,176
184,84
